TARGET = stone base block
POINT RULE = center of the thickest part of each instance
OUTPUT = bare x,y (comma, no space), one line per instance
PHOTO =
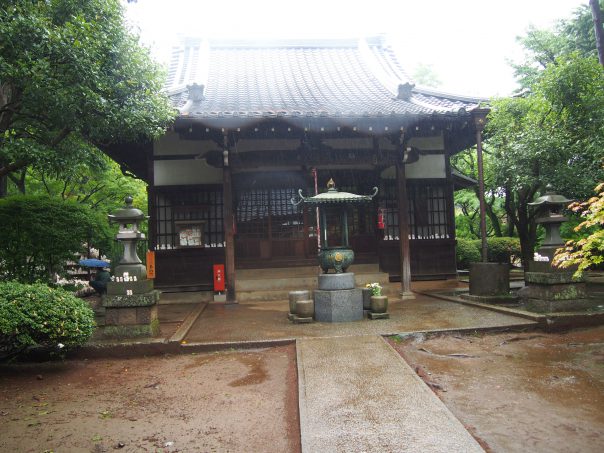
121,288
560,305
372,315
332,282
128,322
123,316
135,300
569,291
489,279
501,299
220,297
339,306
291,316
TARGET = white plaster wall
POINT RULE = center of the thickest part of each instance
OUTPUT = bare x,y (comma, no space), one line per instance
427,166
171,145
190,171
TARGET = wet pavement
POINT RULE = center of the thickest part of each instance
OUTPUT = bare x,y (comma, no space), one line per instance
357,394
266,321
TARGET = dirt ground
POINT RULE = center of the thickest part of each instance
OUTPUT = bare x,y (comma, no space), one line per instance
519,392
217,402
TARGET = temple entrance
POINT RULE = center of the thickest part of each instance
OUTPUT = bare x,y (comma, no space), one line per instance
271,232
269,229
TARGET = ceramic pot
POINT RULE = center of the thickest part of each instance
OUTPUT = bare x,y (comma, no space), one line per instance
305,308
379,304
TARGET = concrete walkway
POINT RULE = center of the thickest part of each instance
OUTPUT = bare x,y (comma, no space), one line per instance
267,321
356,394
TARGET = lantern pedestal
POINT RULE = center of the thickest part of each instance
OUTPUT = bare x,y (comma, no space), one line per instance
337,300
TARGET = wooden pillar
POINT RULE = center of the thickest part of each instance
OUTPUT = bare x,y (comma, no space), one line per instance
151,202
403,226
227,214
480,116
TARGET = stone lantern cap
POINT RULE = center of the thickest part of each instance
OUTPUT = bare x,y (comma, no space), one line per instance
127,214
334,196
550,199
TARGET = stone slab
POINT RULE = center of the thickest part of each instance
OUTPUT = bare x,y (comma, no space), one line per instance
332,282
374,316
356,394
132,269
339,306
299,320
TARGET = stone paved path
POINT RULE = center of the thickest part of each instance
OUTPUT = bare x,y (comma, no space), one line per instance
356,394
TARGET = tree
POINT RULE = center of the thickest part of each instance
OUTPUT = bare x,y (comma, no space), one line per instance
554,134
587,252
40,235
73,80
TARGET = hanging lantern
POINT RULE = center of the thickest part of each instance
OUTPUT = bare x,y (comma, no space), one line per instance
380,219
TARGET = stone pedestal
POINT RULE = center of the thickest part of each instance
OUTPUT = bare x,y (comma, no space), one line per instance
490,284
337,300
131,314
554,291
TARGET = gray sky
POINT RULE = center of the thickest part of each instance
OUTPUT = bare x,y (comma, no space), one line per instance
468,43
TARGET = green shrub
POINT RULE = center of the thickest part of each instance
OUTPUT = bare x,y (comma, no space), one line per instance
466,252
38,235
37,315
499,250
502,249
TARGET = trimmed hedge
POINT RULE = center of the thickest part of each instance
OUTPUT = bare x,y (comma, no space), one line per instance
37,315
499,250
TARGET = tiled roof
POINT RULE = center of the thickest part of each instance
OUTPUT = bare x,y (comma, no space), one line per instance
327,78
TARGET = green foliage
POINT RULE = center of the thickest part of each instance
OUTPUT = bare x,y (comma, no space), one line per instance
467,251
73,79
499,250
36,315
376,288
588,252
502,249
39,235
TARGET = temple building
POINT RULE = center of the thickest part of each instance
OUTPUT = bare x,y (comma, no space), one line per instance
258,121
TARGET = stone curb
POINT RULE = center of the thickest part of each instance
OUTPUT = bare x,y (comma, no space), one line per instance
187,323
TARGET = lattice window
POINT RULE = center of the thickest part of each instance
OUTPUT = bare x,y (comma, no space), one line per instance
191,207
428,211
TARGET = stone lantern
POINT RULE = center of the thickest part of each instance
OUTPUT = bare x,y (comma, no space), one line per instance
128,218
131,302
548,288
550,206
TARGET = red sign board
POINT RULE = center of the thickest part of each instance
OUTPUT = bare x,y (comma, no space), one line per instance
219,277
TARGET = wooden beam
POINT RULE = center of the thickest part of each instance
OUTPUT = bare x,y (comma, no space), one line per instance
229,237
403,225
